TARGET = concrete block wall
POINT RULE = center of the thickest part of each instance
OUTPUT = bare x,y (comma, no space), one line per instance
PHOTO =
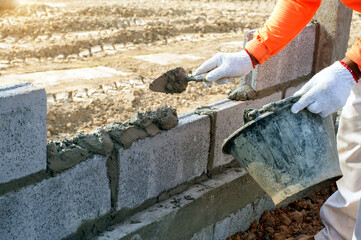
181,167
211,210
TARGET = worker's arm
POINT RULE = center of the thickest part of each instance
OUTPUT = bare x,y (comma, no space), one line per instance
288,18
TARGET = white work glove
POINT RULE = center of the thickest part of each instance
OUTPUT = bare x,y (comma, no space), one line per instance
223,67
326,92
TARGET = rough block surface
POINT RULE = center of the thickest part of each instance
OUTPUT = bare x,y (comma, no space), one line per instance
335,21
292,90
194,213
294,61
22,131
153,165
240,221
54,208
229,119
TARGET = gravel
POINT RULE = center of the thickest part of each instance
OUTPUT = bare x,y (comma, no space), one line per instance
301,217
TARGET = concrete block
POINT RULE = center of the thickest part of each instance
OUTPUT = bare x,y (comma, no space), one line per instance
334,19
294,61
230,118
153,165
22,131
241,220
193,214
292,90
54,208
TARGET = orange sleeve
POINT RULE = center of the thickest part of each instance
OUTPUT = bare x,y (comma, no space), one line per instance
287,20
355,53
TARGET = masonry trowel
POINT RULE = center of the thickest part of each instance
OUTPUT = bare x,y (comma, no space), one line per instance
174,81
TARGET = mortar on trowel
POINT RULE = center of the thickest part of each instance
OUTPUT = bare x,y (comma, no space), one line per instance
176,81
289,155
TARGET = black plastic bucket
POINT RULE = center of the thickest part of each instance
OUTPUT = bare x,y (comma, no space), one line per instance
288,155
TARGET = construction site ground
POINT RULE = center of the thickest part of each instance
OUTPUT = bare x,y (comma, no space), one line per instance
95,59
117,48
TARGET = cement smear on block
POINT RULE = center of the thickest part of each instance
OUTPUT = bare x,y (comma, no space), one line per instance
212,113
65,154
242,93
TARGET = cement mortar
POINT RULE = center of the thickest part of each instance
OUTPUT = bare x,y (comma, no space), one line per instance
242,93
152,130
165,118
212,113
65,154
177,81
205,110
142,120
97,143
125,134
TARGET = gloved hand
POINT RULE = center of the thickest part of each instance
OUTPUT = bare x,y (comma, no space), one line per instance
224,66
326,92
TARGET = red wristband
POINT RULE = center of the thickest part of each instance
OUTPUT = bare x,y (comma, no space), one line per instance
350,70
250,57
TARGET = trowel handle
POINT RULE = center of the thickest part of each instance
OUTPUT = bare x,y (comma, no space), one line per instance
198,78
202,78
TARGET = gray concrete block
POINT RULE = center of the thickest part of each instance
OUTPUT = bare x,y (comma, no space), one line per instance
229,119
292,90
22,131
193,213
241,220
153,165
334,19
294,61
54,208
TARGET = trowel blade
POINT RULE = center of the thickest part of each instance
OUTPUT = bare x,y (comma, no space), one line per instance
172,81
159,84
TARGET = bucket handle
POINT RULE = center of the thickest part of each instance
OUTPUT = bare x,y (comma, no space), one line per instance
251,113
